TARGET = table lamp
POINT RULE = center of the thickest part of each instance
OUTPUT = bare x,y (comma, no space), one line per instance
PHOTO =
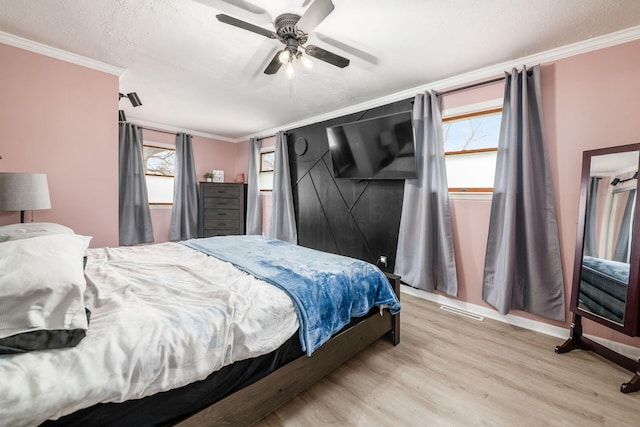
23,192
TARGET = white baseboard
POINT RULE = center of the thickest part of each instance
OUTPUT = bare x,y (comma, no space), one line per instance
511,319
533,325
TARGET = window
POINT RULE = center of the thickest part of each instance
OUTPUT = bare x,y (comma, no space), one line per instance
266,160
159,169
471,147
265,177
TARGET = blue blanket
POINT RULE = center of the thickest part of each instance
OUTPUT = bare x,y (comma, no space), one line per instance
326,289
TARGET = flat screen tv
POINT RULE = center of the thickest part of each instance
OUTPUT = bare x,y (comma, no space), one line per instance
378,148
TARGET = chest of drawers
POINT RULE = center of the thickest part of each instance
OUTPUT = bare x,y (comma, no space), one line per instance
222,209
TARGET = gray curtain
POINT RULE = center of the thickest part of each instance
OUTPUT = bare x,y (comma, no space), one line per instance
283,220
621,252
184,213
133,210
425,257
254,206
590,245
523,269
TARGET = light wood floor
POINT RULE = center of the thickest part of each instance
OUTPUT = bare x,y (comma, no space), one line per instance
453,371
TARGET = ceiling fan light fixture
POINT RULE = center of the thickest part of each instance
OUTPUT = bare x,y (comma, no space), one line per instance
285,56
293,31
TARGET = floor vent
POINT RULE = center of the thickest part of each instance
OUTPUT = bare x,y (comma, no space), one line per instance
462,312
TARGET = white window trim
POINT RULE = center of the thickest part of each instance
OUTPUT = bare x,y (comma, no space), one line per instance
470,195
472,108
159,144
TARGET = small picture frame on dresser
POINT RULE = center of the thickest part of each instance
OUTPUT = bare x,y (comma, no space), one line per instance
218,176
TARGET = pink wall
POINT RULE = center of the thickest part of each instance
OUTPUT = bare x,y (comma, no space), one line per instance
242,159
208,154
60,119
589,101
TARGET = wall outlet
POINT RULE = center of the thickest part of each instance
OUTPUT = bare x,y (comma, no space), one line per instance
382,260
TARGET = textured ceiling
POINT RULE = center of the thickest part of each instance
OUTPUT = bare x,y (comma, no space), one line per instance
193,72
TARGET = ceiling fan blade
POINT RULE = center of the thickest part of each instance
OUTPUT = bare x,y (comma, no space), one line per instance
352,51
326,56
274,65
246,26
314,15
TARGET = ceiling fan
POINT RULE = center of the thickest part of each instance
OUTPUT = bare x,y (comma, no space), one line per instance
293,31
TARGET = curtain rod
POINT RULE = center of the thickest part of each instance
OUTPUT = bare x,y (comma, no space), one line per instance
260,138
158,130
471,86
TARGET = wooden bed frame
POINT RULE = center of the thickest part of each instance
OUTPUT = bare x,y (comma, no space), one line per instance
252,403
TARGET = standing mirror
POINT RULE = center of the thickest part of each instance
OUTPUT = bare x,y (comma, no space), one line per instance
605,276
602,287
609,217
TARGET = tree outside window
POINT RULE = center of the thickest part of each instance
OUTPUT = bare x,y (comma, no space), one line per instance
471,145
265,177
159,169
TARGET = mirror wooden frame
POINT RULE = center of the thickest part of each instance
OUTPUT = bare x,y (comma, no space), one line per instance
630,324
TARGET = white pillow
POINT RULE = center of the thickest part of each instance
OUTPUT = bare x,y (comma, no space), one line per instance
42,284
31,229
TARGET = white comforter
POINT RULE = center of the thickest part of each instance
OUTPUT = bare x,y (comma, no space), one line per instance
163,316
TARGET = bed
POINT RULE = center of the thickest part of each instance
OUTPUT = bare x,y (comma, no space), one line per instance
603,287
175,333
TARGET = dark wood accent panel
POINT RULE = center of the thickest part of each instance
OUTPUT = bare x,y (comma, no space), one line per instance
222,209
356,218
313,228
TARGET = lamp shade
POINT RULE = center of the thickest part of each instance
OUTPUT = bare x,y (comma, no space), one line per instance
23,191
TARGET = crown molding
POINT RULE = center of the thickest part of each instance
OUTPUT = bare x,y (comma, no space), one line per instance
596,43
56,53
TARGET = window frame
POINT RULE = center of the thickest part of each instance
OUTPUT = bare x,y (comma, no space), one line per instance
263,154
163,146
271,149
465,112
